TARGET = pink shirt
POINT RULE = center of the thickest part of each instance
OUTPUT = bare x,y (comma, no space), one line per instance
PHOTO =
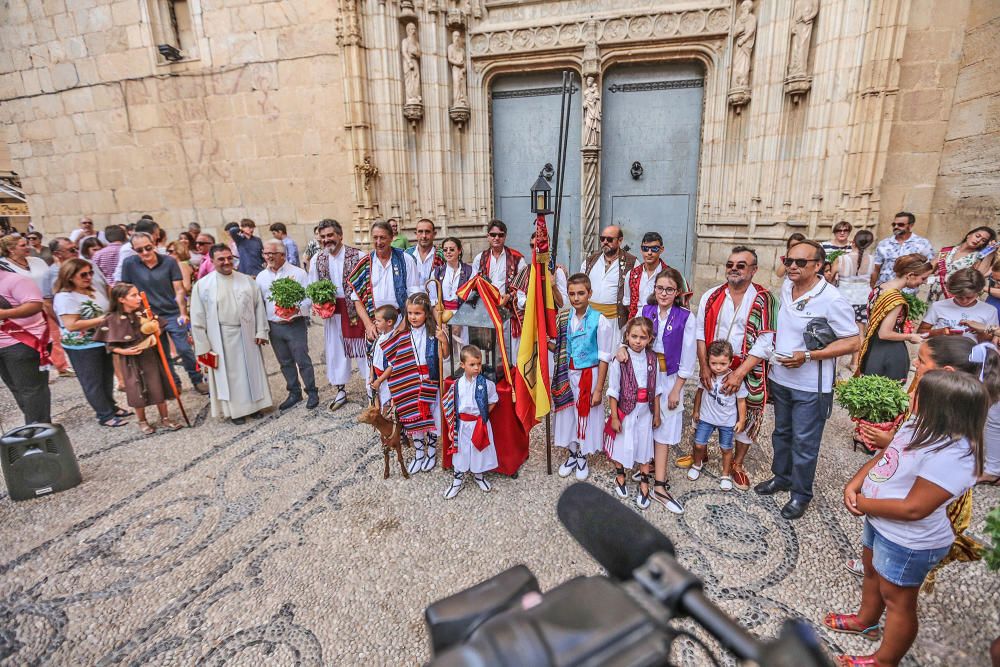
18,290
206,267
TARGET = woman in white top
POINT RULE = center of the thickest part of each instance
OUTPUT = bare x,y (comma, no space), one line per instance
946,316
903,496
452,274
80,309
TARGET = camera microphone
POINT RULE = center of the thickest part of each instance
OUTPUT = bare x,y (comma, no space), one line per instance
615,536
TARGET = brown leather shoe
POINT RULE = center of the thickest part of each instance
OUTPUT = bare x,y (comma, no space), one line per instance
740,479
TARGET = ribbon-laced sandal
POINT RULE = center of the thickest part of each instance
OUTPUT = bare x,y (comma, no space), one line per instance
665,498
642,498
620,487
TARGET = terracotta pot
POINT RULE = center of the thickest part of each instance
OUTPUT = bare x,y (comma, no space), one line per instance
286,313
881,426
908,327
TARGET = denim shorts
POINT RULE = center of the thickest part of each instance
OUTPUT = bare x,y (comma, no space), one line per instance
899,565
703,431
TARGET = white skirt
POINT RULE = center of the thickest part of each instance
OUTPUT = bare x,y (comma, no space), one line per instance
470,459
634,445
338,364
566,422
671,426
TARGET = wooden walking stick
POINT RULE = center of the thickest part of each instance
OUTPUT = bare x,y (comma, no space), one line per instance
163,360
441,315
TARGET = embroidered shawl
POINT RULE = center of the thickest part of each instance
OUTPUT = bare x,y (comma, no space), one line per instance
451,407
352,331
360,279
512,259
878,309
413,393
562,393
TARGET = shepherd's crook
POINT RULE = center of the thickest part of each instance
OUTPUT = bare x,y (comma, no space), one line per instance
163,360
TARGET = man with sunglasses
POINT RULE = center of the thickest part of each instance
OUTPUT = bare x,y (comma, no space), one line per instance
501,265
160,277
642,278
608,271
802,380
37,248
144,226
902,242
743,313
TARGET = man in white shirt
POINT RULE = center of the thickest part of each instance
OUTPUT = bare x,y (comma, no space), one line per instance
802,380
392,277
84,231
502,265
289,335
343,330
741,312
424,253
608,270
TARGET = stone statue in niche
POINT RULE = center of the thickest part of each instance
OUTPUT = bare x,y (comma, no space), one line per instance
744,38
456,58
592,113
411,65
802,27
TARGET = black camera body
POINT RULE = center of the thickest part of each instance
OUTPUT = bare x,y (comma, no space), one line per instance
623,619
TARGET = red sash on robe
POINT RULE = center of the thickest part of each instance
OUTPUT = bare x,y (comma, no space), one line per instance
480,436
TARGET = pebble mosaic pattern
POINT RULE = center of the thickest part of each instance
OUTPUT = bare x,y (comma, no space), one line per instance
278,543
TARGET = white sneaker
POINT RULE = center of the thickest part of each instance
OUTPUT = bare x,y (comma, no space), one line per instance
456,486
485,486
726,483
568,466
582,470
694,472
430,458
417,464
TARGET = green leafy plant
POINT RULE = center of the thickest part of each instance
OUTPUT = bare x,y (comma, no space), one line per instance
873,398
992,554
835,255
322,291
286,293
918,307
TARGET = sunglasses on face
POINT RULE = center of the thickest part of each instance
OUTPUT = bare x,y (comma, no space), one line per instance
497,235
841,231
608,239
85,274
737,265
145,248
651,248
797,261
203,243
71,249
900,224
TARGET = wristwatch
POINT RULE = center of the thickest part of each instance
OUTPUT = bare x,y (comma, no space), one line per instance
809,355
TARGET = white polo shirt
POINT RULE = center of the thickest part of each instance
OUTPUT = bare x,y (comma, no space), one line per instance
823,300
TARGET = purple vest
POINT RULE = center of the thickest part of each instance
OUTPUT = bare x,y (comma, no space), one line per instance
672,335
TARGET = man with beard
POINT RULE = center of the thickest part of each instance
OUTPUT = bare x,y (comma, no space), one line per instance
743,313
902,242
229,324
802,379
427,257
344,332
608,270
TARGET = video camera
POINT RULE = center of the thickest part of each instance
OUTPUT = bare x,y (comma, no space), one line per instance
622,619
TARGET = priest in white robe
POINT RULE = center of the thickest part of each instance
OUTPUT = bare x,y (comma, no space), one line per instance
229,320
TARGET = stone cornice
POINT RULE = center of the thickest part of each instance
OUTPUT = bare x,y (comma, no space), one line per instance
487,40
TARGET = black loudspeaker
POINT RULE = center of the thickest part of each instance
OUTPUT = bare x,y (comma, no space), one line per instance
37,459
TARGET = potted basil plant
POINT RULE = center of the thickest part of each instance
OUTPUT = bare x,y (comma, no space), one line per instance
916,309
287,295
873,400
323,294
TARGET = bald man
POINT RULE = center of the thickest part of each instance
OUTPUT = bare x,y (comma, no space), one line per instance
608,271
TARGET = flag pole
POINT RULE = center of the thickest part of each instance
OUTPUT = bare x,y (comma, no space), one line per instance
163,360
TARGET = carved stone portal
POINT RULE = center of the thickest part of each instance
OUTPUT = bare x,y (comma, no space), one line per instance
744,38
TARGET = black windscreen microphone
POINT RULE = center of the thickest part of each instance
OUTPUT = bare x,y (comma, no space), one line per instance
615,536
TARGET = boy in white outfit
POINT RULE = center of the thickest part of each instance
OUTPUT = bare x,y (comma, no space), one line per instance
468,405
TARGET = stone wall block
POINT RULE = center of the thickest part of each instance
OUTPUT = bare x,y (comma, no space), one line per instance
125,13
247,18
64,76
919,105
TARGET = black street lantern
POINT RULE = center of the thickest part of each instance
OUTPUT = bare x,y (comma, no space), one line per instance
541,197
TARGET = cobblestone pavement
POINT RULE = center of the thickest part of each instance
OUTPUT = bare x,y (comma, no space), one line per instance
278,542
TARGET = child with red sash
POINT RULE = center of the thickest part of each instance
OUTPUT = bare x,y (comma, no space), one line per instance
385,320
412,353
583,347
676,355
635,409
467,410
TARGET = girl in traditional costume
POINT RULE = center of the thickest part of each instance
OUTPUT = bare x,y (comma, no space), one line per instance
883,350
635,409
452,274
413,353
134,339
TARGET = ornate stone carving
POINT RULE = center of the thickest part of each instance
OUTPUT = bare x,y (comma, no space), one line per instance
456,58
798,82
576,33
367,171
348,25
744,37
591,52
592,114
590,201
406,11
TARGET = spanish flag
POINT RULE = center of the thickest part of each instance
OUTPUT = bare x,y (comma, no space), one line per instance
532,380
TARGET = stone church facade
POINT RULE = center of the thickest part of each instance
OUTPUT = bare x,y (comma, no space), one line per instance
711,121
